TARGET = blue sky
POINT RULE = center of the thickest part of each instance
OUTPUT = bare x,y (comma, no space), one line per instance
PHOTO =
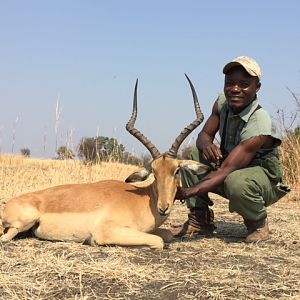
88,55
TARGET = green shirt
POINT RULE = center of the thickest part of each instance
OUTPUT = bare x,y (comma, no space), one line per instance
250,122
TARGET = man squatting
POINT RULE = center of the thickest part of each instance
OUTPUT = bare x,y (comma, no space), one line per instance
247,169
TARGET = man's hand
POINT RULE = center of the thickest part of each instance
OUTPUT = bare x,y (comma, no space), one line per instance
211,152
185,193
181,193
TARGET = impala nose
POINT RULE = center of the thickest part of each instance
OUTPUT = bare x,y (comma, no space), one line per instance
162,210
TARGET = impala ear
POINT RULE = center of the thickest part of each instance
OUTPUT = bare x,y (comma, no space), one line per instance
140,175
195,167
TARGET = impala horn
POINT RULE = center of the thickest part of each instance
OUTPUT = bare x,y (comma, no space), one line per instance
136,133
187,130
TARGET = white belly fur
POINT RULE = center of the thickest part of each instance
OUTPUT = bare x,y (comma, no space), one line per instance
67,226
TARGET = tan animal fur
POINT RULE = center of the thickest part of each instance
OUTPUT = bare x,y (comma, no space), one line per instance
101,213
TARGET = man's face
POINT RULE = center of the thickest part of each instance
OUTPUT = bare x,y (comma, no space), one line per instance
240,88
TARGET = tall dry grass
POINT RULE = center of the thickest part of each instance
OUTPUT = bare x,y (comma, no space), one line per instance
290,155
290,148
19,174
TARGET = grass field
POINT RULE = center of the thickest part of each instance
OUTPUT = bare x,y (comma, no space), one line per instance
217,267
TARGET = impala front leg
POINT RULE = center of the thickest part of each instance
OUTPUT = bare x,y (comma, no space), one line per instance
165,234
125,236
9,235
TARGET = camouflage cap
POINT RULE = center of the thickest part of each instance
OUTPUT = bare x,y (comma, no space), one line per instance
248,63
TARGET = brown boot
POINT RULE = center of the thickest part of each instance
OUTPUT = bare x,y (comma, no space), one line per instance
200,221
257,230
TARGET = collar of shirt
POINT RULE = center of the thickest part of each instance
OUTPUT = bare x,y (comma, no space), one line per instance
246,113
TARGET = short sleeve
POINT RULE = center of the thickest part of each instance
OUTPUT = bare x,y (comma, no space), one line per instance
260,123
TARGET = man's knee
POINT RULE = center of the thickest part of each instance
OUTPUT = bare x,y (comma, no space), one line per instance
194,154
243,193
236,183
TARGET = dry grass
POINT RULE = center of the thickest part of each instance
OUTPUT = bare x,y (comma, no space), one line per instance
19,174
218,267
290,154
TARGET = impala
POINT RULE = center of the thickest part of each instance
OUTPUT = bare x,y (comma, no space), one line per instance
107,212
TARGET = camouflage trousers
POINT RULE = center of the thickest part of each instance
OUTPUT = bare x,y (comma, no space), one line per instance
249,190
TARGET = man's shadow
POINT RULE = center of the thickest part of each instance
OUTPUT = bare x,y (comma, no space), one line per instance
228,232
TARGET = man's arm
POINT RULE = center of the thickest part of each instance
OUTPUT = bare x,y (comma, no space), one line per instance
206,137
239,158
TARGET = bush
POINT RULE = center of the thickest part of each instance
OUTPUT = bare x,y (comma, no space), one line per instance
100,148
25,152
64,153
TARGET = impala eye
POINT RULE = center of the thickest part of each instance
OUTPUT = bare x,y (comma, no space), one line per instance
177,171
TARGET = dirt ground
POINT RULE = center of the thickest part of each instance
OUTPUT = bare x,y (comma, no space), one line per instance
216,267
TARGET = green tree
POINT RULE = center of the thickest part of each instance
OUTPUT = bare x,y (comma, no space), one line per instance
130,159
64,153
100,148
